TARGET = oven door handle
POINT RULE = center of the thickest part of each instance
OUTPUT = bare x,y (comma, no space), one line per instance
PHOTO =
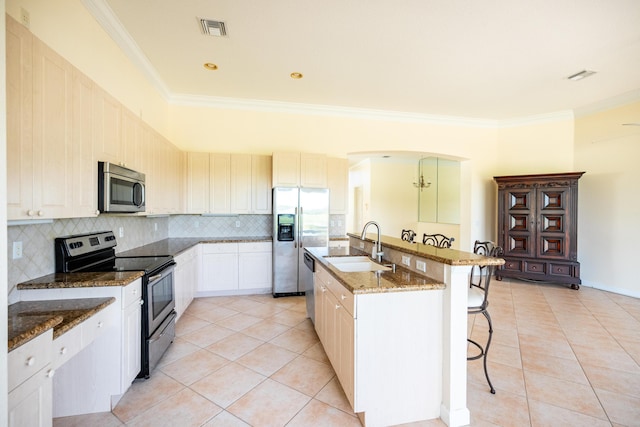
154,278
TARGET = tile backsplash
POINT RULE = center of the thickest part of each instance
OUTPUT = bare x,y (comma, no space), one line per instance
38,257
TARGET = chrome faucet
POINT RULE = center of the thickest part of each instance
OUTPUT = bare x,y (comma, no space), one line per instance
376,252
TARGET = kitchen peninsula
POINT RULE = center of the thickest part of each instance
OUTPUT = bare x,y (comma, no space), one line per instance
397,338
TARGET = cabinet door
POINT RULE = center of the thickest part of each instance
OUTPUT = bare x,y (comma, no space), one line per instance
518,222
313,170
261,184
131,140
319,289
220,272
240,183
30,404
553,218
52,113
220,184
338,183
19,50
85,168
330,307
107,127
197,182
131,333
346,352
254,270
286,169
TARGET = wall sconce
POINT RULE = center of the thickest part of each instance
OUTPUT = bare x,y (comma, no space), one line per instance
422,184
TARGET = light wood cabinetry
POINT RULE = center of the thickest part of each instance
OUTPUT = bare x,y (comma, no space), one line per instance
254,265
187,273
220,183
39,118
260,184
299,170
338,183
223,183
131,318
30,383
107,127
235,268
219,268
537,225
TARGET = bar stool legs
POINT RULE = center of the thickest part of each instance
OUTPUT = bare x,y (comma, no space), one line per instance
485,350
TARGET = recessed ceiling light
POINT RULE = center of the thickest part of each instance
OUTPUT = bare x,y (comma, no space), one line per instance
581,75
210,66
296,75
211,27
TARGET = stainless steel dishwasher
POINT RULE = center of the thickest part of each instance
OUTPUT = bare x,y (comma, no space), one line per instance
306,283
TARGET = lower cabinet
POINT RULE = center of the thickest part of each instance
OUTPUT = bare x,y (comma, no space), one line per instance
232,268
30,383
186,278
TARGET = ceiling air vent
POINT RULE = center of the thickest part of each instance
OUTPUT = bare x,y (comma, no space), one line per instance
213,28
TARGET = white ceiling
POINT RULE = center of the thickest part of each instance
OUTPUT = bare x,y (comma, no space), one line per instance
489,59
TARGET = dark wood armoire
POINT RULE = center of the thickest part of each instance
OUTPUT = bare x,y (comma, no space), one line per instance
538,226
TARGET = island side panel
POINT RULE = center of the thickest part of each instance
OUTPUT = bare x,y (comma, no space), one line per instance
398,356
454,411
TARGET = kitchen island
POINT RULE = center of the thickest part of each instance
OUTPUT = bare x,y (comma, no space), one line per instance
397,339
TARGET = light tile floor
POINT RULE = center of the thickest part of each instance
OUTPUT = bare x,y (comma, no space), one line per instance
559,357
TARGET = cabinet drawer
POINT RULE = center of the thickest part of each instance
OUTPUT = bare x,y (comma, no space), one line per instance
131,293
97,324
512,265
323,275
535,267
255,247
66,346
29,358
343,296
220,248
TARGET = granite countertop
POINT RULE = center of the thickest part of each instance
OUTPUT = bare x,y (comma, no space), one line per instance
174,246
28,319
374,282
445,256
81,280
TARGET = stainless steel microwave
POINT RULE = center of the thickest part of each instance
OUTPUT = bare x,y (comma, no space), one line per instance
120,190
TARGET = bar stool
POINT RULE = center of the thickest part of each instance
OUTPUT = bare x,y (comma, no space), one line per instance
438,240
408,235
478,301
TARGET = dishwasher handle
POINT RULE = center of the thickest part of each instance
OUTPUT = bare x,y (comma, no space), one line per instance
309,262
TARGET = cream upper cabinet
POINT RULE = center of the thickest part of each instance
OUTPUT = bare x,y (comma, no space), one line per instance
107,127
39,117
338,183
228,183
220,183
261,184
20,161
85,168
132,141
197,182
313,170
240,183
299,170
164,179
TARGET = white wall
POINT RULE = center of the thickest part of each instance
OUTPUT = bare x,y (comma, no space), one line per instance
609,206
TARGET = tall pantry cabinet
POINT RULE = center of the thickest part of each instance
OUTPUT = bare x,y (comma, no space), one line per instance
537,227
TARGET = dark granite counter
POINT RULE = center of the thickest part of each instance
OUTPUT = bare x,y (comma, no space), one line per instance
445,256
174,246
374,282
28,319
81,280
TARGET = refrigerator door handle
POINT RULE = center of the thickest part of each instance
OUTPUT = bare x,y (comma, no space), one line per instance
300,227
297,235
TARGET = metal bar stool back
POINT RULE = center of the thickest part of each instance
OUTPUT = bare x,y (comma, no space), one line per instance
438,240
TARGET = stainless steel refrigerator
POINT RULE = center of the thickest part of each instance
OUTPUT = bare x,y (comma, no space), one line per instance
300,219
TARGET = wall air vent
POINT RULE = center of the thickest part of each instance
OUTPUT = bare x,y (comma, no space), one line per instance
213,28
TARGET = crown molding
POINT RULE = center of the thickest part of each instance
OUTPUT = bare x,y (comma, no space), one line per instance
113,27
609,103
537,119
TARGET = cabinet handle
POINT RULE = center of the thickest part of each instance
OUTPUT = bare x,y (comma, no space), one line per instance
40,213
51,373
338,306
31,361
63,350
97,212
323,289
30,212
141,302
343,297
99,324
135,292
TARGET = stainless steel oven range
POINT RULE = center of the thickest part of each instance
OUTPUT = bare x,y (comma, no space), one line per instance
95,252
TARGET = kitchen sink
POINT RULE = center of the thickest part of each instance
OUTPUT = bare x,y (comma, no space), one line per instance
350,264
